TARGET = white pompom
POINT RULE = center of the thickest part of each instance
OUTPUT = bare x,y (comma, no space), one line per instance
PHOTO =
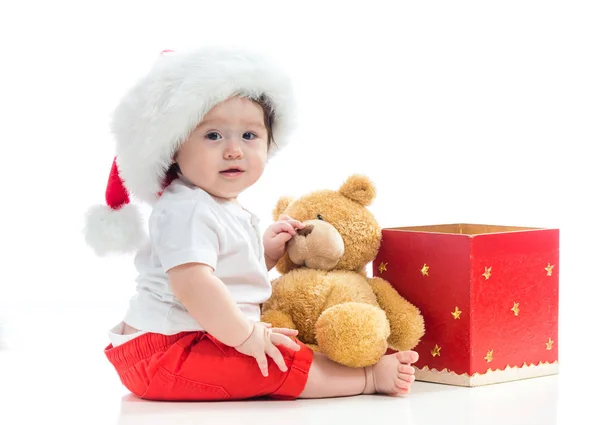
110,231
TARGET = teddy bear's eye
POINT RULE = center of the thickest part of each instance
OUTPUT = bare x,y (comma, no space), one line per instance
320,217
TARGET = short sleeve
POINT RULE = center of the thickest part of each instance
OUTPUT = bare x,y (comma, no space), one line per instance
185,233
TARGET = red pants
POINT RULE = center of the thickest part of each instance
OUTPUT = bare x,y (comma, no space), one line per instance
194,366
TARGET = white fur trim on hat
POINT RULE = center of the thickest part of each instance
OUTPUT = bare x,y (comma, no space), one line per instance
160,111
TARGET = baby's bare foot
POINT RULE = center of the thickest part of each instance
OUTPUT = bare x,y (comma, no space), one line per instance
392,375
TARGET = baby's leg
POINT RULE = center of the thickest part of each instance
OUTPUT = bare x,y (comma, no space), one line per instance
392,375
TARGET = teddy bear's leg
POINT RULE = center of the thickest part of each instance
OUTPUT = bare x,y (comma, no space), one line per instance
406,322
353,333
278,319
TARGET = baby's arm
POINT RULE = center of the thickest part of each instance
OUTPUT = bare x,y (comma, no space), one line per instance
210,303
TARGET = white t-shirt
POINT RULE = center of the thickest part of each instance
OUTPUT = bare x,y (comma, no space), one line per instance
188,225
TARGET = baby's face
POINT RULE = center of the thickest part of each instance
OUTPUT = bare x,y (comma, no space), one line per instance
227,152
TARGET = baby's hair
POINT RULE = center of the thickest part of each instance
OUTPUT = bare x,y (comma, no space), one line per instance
265,104
268,114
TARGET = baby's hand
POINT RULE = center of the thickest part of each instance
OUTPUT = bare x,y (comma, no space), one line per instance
283,331
263,342
278,234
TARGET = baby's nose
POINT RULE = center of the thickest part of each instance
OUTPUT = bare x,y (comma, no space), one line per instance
306,231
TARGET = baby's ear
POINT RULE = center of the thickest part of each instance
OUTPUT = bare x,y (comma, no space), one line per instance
282,204
359,188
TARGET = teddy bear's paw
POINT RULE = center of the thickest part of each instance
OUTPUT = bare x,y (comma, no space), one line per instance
353,334
407,333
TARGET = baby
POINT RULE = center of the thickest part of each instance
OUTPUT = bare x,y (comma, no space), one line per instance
192,135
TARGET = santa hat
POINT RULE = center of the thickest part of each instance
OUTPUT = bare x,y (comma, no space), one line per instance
157,115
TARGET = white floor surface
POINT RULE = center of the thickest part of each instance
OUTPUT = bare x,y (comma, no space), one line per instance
50,377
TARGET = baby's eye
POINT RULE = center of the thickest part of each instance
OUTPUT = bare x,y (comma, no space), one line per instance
248,136
320,217
213,135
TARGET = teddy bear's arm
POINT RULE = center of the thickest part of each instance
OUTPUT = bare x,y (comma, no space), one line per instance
406,322
275,309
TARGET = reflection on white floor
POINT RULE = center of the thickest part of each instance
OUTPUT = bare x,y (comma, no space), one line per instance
52,368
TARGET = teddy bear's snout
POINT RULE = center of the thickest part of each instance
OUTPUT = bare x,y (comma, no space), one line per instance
307,230
318,245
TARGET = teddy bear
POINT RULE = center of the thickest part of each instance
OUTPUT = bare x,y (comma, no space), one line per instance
323,290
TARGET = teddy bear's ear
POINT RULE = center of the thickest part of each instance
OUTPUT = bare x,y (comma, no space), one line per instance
282,204
359,188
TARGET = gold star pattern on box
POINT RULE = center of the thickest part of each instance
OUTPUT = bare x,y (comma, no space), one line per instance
515,308
549,270
425,270
549,344
382,267
487,273
488,357
456,313
436,351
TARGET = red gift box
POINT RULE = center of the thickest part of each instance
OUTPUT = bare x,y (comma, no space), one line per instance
488,295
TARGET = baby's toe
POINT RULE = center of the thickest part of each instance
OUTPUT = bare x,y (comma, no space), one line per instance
401,387
407,356
406,377
402,384
404,368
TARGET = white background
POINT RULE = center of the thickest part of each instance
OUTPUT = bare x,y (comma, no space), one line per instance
459,112
480,111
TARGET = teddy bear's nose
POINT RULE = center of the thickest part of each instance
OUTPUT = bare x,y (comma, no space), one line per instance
306,231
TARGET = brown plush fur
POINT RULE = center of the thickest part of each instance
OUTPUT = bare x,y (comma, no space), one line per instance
323,291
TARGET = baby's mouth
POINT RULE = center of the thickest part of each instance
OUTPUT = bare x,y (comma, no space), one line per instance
231,172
